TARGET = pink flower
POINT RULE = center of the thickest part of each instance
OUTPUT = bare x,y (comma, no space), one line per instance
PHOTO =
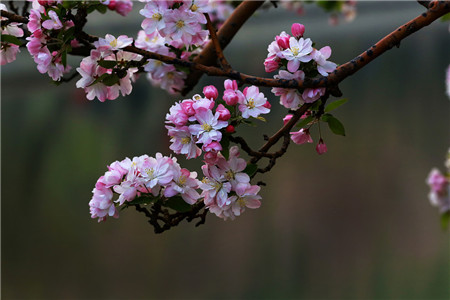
214,146
287,118
245,198
230,97
224,114
177,115
181,25
302,136
154,13
298,30
184,183
437,182
283,40
320,57
230,84
210,92
53,23
297,52
123,7
214,186
101,204
208,129
447,81
8,53
183,142
252,104
311,95
110,43
289,98
321,148
271,63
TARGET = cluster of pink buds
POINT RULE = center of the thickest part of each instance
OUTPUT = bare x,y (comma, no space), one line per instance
11,32
301,60
158,177
107,70
226,188
439,184
202,121
51,37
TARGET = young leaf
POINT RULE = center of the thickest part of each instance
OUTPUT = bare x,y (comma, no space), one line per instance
107,64
111,80
335,125
177,203
335,104
250,170
11,39
445,218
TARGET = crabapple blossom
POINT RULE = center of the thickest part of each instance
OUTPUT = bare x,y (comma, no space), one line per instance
298,51
311,95
245,198
208,128
253,103
320,57
111,43
210,92
302,136
289,98
54,22
439,195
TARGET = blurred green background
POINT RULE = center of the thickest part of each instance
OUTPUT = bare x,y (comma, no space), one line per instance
354,223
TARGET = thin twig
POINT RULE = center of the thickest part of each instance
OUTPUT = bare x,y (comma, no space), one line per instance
212,32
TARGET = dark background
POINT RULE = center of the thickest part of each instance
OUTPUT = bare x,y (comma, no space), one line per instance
354,223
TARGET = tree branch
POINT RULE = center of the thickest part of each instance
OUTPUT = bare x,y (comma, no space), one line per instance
212,32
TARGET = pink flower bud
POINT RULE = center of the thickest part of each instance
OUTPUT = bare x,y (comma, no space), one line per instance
213,146
187,106
245,91
271,64
282,41
298,30
230,97
112,4
287,119
267,105
210,92
230,129
230,84
321,148
224,114
302,136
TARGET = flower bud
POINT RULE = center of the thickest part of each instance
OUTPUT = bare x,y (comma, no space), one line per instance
230,129
230,84
210,157
271,64
213,146
282,41
112,4
224,114
187,106
210,92
321,148
298,30
230,97
287,118
267,105
302,136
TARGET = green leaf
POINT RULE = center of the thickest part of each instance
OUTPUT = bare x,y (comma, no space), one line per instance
107,64
99,79
225,143
316,105
177,203
445,219
251,169
335,104
445,18
335,125
11,39
68,34
305,122
111,80
102,8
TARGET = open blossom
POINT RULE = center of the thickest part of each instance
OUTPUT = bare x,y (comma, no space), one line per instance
111,43
215,187
439,195
184,183
311,95
54,22
289,98
208,128
9,51
298,51
320,57
247,197
101,204
253,103
183,142
181,25
302,136
154,13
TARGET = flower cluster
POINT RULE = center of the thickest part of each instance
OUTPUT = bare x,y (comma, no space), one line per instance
199,121
8,50
51,37
301,60
108,70
439,184
143,176
226,188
